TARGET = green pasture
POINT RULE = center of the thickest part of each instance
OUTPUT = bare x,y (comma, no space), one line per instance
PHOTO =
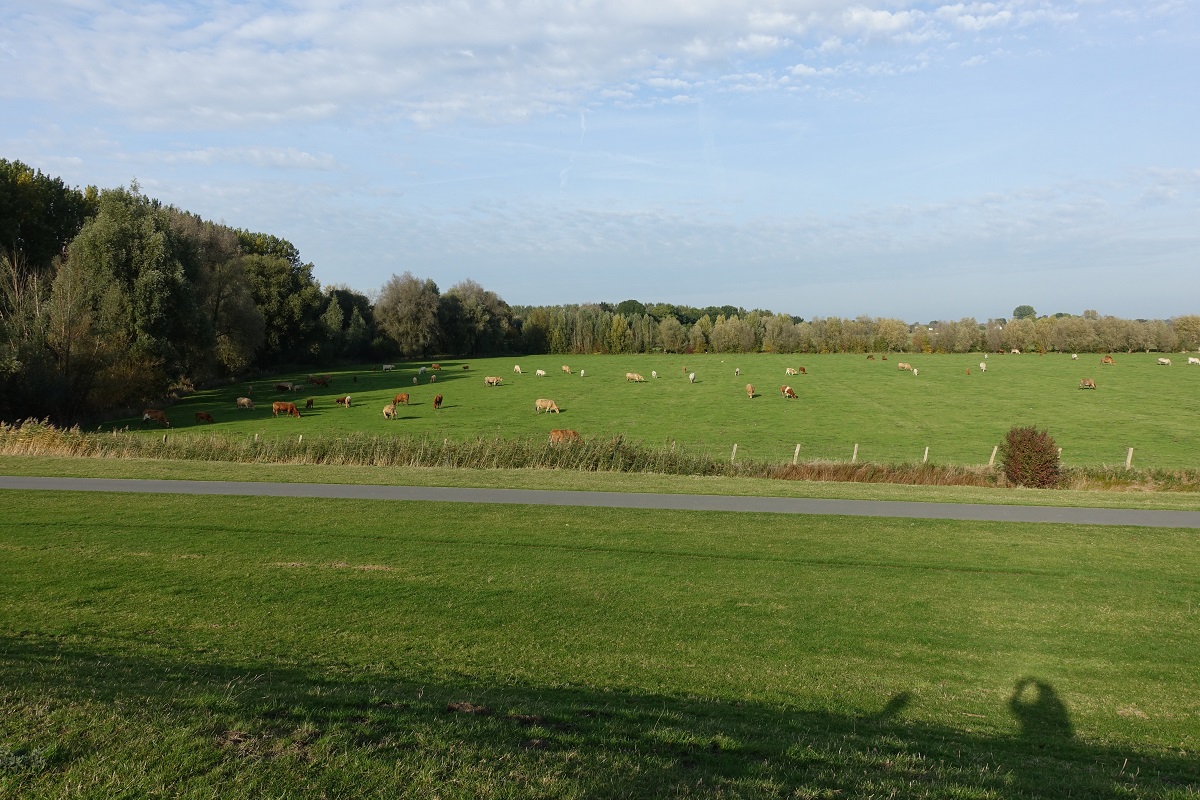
843,400
268,647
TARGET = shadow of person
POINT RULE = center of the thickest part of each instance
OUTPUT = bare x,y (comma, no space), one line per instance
894,706
1039,710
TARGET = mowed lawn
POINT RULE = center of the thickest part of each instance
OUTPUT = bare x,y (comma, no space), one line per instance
842,400
266,647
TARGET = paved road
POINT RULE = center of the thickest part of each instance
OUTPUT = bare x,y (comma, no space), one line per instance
684,502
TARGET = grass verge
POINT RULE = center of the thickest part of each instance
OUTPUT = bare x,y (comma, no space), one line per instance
269,647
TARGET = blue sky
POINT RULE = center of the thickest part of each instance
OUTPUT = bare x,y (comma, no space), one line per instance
820,158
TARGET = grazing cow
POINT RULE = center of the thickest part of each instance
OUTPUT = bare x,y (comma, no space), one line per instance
389,411
400,399
433,378
582,372
1107,360
308,404
414,380
343,401
492,380
633,376
466,366
1074,356
915,372
157,416
204,416
284,387
790,371
421,371
541,405
1016,352
750,390
903,365
566,369
435,366
885,358
517,369
1087,383
983,366
558,436
802,372
1164,362
691,377
968,370
245,402
870,356
737,371
787,392
1193,360
320,380
437,401
388,367
653,373
287,409
541,373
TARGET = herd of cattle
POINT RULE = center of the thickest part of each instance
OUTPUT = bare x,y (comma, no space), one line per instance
289,409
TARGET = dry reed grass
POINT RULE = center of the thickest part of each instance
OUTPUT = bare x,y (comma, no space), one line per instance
614,454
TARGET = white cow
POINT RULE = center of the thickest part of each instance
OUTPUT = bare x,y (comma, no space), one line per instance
1164,362
983,366
541,373
517,369
653,373
388,367
692,377
1193,360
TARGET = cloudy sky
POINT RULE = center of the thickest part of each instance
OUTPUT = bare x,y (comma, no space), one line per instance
920,160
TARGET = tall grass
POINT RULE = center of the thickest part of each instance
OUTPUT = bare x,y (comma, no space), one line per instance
596,454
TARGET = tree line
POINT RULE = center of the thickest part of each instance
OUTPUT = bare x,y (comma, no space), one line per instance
109,299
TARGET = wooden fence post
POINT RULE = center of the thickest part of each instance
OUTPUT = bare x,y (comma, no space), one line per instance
733,455
925,457
854,457
992,460
796,455
1129,459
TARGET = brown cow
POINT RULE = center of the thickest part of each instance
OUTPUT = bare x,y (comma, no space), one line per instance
566,369
870,356
343,401
903,365
400,399
1087,383
1107,360
750,390
245,402
492,380
435,366
320,380
204,416
389,411
542,404
284,387
287,409
437,401
790,371
788,392
633,376
158,416
559,436
308,404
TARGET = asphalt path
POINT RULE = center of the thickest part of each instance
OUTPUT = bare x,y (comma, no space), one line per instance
678,502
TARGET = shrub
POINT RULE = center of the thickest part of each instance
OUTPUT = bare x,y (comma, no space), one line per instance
1029,457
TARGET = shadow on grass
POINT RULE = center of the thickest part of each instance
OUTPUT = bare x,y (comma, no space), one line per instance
253,729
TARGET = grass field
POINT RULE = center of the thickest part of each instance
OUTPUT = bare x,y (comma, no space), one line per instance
248,647
842,401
